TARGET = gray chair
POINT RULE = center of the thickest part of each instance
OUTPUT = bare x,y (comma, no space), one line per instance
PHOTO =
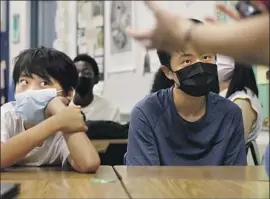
252,145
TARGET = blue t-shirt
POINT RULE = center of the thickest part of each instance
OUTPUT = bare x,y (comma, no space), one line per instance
159,136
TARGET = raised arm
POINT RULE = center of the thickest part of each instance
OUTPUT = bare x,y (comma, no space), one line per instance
246,40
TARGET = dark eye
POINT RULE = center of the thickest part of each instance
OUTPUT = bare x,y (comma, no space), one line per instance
187,62
23,82
44,83
206,57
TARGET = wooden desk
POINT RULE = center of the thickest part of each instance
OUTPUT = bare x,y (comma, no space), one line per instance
181,188
55,183
249,173
102,145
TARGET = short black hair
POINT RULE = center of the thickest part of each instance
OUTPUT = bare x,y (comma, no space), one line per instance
90,60
243,77
45,63
165,57
161,81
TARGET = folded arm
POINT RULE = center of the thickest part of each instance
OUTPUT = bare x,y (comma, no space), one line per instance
83,155
17,147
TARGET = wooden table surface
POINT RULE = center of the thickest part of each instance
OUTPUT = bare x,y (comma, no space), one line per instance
55,183
191,188
141,182
249,173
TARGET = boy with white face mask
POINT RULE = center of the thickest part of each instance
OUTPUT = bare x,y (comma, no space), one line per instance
238,84
38,128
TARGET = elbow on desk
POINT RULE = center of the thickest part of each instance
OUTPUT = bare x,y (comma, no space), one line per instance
88,166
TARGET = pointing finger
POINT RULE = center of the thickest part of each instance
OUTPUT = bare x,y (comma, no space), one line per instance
139,35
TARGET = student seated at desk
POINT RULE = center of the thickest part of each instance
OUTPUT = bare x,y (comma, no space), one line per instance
93,106
186,124
238,84
38,128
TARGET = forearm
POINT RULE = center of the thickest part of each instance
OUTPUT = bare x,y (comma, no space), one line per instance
20,145
84,157
246,40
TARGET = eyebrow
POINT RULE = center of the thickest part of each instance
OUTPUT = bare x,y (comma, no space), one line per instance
25,75
186,55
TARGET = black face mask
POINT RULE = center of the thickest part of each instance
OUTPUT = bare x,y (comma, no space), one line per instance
198,79
84,86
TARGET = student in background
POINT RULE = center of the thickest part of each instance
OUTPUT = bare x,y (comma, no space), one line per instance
186,124
38,128
238,84
93,106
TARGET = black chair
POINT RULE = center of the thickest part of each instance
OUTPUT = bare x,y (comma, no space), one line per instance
252,145
114,155
103,130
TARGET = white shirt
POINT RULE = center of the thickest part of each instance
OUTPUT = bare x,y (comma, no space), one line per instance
101,109
256,106
53,151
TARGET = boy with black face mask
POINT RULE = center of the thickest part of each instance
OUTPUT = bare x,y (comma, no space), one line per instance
93,106
186,124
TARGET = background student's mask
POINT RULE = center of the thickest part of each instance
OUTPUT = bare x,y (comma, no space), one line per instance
30,105
225,67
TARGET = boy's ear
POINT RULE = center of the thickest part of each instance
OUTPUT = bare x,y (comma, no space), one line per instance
70,94
168,73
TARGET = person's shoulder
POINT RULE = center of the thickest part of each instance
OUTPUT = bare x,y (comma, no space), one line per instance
8,109
153,103
224,105
98,99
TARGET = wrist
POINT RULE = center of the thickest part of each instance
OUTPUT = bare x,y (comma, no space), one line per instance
56,123
57,107
188,39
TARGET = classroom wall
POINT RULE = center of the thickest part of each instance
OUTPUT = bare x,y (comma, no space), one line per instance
21,8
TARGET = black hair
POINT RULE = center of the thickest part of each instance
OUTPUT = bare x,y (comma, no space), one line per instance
90,60
243,77
45,63
165,57
161,81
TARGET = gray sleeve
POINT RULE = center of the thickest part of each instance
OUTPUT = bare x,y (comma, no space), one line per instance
142,148
64,152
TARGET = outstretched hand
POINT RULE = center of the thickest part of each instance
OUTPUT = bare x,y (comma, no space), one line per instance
169,28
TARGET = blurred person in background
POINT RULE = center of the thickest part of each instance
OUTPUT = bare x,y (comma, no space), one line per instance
238,84
93,106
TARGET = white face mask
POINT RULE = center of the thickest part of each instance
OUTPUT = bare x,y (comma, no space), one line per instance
30,105
225,66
